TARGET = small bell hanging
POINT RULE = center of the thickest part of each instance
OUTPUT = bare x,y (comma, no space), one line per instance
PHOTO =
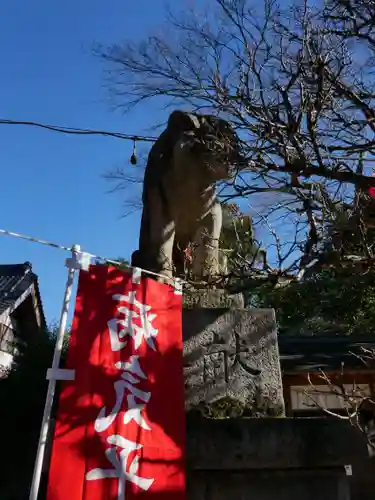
133,158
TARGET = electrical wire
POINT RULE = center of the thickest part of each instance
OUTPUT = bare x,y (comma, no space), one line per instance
79,131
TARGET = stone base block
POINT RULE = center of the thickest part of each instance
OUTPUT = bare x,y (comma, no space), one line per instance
232,353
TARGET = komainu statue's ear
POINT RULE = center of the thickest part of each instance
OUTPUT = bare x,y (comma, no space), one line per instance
180,120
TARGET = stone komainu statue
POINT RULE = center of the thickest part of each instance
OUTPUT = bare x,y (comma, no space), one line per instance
180,207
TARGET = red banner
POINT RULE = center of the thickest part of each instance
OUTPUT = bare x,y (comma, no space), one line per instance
371,190
120,430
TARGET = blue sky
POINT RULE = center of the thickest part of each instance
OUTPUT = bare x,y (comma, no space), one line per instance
52,185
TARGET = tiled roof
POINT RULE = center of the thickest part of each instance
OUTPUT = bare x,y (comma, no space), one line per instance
15,279
308,354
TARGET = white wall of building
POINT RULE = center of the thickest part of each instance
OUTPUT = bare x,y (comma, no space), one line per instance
6,360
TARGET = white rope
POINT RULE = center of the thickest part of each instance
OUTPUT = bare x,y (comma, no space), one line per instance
67,249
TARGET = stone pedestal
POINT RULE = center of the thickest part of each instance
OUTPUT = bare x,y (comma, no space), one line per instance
232,353
212,299
276,458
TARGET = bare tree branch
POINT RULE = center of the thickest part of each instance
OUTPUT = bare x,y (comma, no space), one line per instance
297,84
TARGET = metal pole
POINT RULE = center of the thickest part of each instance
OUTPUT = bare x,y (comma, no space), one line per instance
72,265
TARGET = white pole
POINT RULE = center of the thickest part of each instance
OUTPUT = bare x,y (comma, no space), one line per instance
72,265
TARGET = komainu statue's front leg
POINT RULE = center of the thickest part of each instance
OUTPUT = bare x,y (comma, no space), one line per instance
156,238
164,246
206,244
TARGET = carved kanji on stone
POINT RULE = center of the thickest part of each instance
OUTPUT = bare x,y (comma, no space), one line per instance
231,356
231,353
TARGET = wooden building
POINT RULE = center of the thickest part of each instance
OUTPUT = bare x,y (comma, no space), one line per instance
21,310
305,359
